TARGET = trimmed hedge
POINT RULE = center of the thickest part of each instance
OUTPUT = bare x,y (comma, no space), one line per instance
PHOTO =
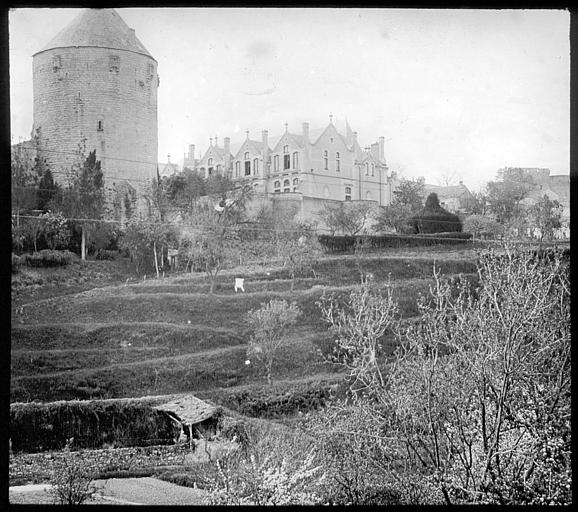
49,258
47,426
347,243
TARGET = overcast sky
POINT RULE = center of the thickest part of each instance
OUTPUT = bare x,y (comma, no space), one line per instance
460,92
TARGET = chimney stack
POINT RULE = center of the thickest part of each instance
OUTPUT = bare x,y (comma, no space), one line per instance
381,149
191,152
227,146
265,138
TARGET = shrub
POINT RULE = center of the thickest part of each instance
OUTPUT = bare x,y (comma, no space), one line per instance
348,243
72,482
16,263
435,219
105,254
49,258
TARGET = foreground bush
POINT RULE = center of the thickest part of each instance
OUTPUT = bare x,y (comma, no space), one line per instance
16,263
475,407
49,258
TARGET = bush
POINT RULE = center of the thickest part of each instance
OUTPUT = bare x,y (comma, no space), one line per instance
16,263
49,258
104,254
435,219
347,243
72,482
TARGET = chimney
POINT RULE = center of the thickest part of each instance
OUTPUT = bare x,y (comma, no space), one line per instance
191,152
227,146
381,149
354,138
306,133
265,138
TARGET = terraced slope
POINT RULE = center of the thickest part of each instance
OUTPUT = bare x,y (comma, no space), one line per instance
169,336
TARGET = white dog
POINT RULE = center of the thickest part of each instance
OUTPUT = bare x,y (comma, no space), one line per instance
239,284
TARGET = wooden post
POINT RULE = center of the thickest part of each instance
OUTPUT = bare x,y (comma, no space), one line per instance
191,436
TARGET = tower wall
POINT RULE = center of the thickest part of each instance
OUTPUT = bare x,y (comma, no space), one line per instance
108,96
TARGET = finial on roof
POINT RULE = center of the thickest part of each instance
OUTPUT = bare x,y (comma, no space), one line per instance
331,118
286,125
169,158
216,143
247,132
211,141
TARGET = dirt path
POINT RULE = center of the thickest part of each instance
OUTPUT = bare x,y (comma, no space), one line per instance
119,491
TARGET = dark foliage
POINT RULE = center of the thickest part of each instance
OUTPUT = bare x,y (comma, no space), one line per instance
37,426
435,219
49,258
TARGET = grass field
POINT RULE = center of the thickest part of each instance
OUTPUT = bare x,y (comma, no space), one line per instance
109,337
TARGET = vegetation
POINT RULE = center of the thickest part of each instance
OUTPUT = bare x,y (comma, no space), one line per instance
435,219
268,326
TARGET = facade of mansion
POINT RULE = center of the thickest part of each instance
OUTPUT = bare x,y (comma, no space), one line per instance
326,164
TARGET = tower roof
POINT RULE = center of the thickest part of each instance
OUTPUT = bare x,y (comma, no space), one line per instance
103,28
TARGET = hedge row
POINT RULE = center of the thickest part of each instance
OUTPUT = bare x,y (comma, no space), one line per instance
48,258
47,426
347,243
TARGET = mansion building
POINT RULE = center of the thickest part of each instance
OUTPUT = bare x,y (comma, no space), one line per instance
310,167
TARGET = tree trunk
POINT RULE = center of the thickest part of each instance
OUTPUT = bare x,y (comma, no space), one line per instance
156,261
83,244
212,288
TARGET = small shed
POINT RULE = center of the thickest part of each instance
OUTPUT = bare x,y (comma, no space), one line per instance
193,415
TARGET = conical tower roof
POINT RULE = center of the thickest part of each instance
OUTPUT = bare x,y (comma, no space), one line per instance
103,28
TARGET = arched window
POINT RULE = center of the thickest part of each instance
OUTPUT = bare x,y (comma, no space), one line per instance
373,169
285,149
247,164
277,187
255,165
237,169
100,125
210,161
337,162
276,163
296,160
295,184
286,186
325,160
367,168
348,193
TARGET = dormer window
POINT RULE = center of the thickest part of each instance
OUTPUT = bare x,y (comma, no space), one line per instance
366,169
296,160
373,169
114,63
255,165
56,63
325,160
286,161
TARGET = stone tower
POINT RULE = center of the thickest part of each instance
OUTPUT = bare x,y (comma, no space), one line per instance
96,81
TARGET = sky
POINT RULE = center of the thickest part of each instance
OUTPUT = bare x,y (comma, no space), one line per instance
457,94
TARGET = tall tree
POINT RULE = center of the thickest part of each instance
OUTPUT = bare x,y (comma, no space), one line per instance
407,202
504,194
83,199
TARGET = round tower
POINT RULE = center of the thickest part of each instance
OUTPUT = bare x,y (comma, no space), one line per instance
95,81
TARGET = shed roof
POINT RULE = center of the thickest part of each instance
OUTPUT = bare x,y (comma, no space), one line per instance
188,409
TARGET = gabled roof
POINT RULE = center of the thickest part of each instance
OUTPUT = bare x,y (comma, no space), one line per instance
331,127
447,192
103,28
256,145
297,140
